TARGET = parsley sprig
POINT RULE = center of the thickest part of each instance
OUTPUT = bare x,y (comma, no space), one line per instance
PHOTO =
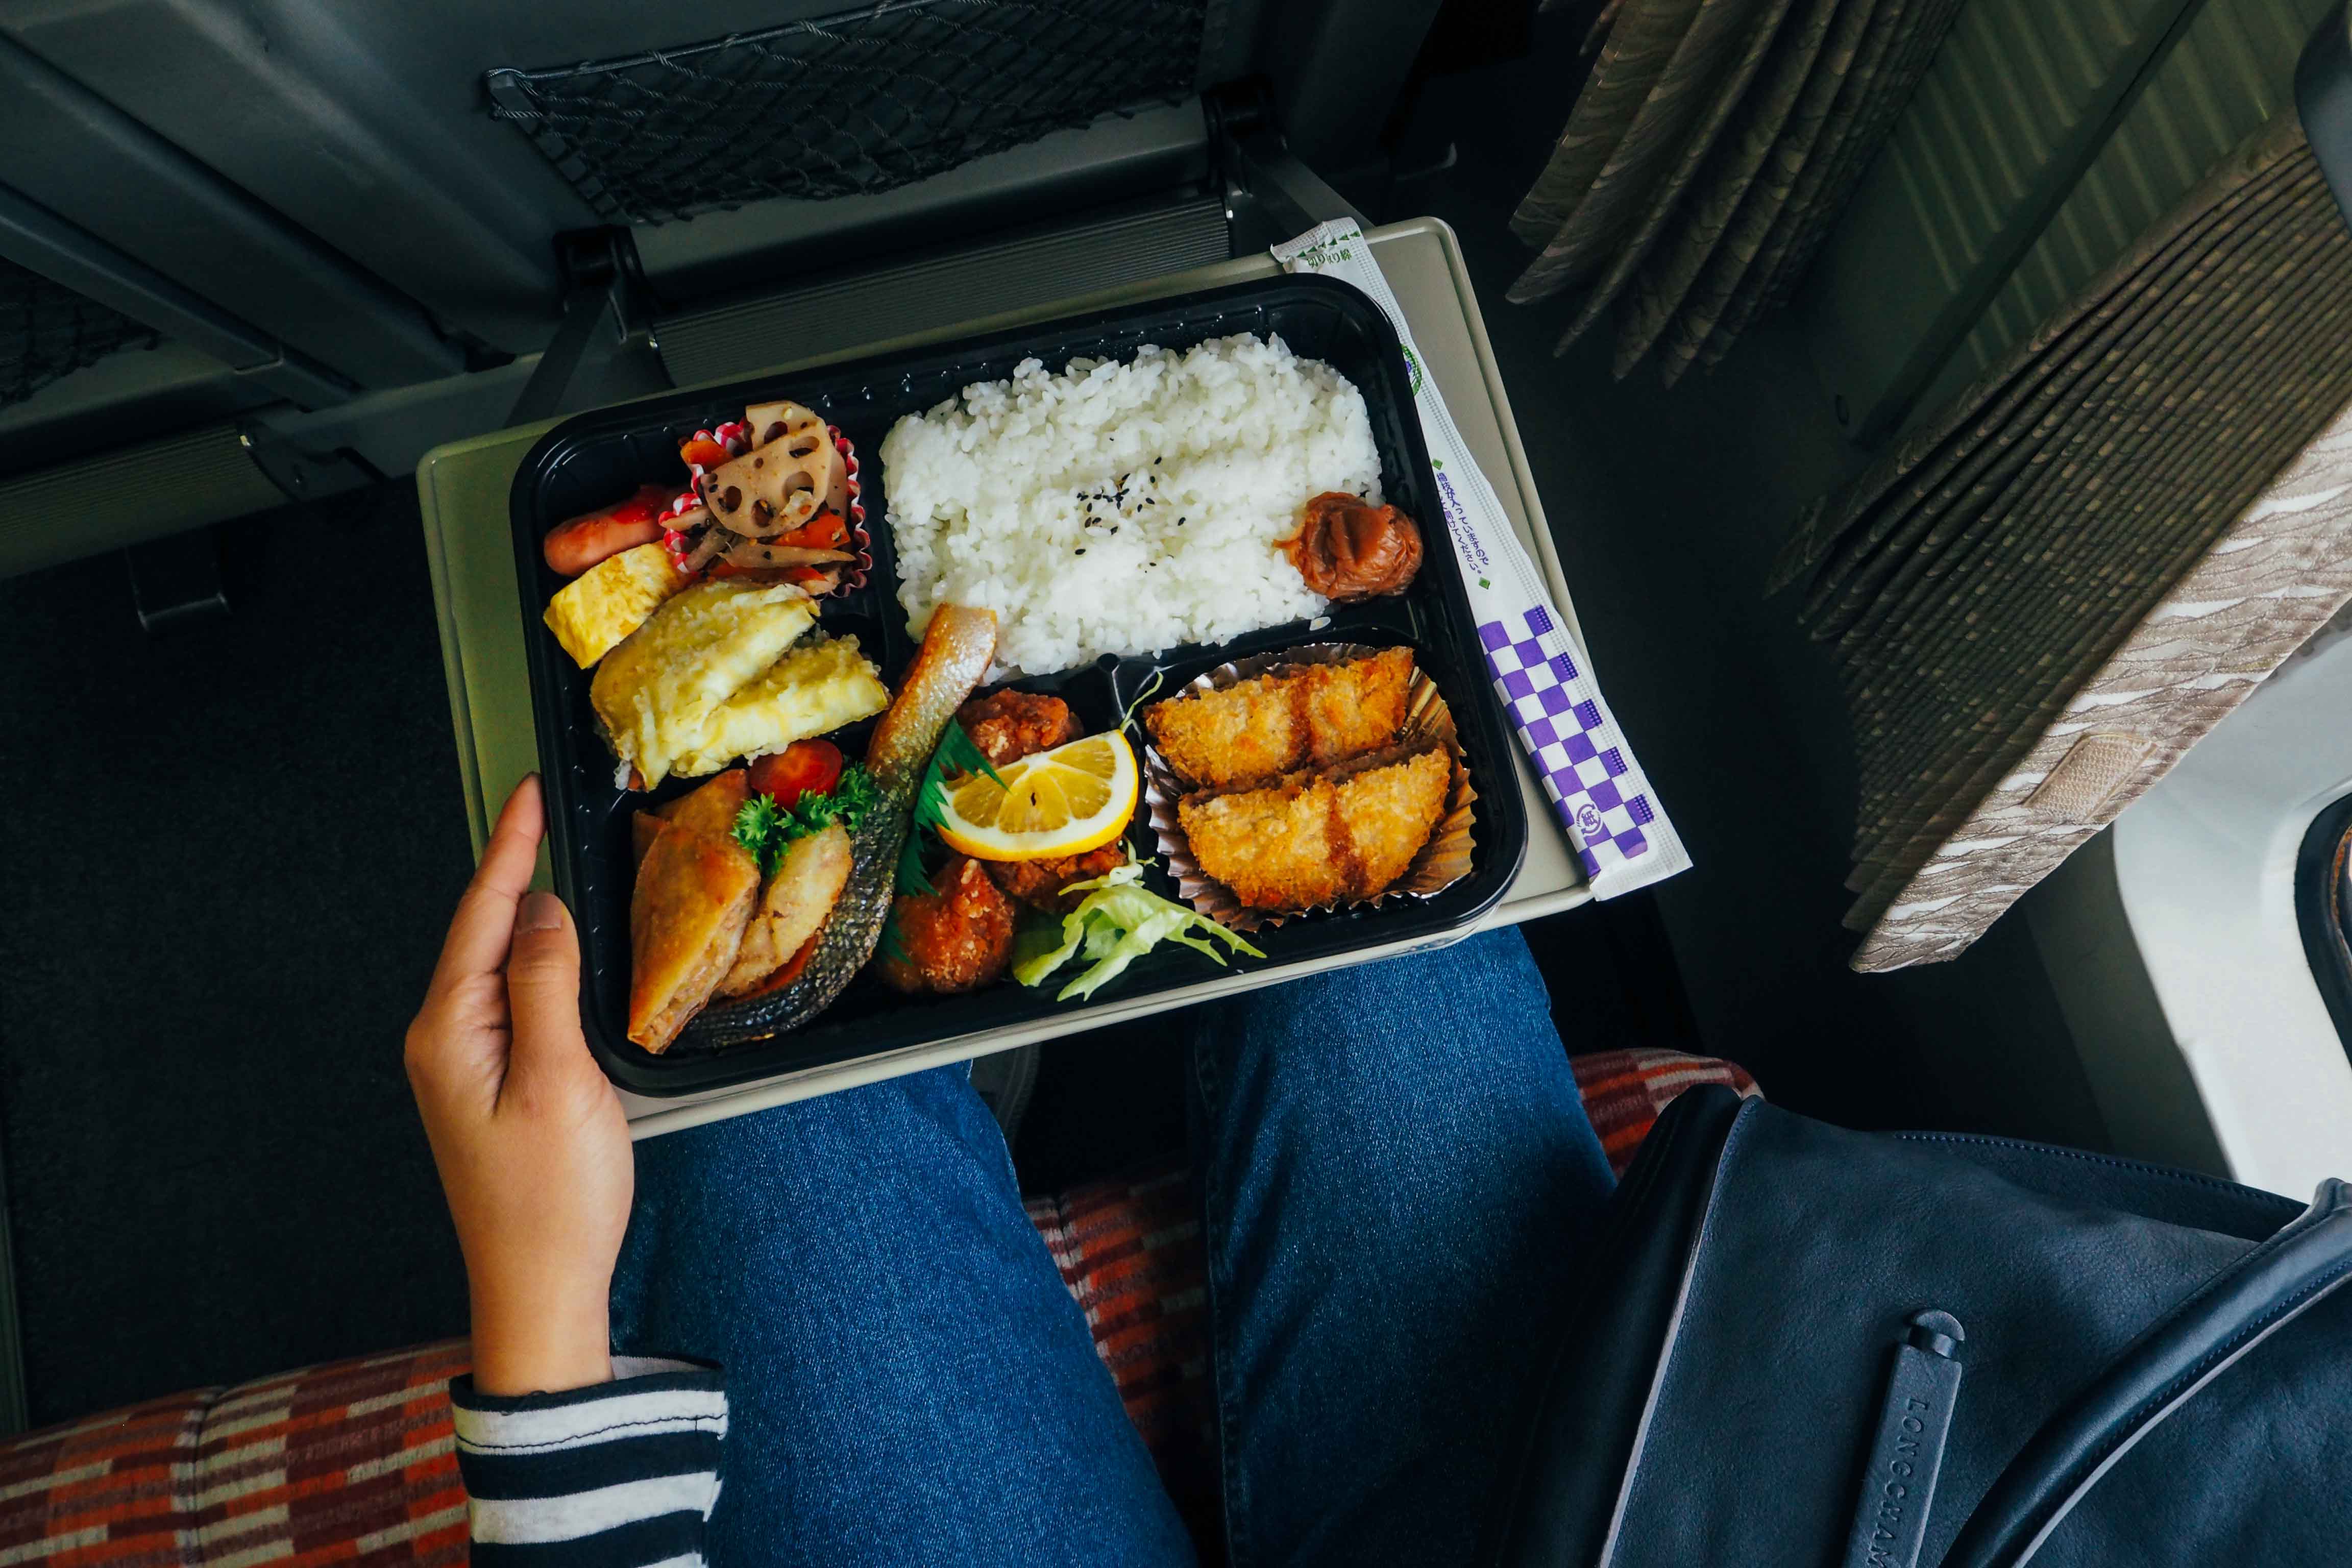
767,829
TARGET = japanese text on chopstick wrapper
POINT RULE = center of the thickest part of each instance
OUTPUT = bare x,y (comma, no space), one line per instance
1598,790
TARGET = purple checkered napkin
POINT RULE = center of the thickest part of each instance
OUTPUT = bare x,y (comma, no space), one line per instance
1572,738
1588,772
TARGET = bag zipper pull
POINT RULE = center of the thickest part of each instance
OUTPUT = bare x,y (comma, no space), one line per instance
1907,1446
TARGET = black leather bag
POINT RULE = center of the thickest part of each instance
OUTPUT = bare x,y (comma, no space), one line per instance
1809,1348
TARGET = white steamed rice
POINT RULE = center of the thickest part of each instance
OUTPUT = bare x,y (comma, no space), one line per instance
1010,498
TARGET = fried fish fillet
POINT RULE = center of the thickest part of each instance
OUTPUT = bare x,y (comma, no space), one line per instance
818,686
1314,839
655,694
1273,724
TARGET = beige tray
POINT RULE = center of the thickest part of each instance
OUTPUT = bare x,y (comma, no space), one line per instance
463,487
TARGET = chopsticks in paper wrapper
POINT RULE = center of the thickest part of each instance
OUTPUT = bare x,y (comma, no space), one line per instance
1598,790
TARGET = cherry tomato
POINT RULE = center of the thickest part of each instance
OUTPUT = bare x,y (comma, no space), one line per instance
786,976
804,767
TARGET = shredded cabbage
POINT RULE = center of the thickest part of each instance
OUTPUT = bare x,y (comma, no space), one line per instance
1116,923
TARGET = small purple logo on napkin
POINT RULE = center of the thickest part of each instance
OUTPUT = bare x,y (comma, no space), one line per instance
1577,758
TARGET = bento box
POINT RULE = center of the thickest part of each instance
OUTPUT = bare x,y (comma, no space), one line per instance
588,461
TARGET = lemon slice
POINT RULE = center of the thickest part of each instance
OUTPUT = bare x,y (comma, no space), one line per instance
1066,801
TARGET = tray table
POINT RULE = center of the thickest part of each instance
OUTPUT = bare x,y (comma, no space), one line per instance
463,488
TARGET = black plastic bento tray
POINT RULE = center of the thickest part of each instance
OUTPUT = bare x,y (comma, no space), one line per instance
600,457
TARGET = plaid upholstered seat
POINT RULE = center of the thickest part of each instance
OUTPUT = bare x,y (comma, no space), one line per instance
354,1462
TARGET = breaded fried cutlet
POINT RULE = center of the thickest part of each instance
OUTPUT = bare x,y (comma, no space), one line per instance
1273,724
1311,839
1390,812
1272,847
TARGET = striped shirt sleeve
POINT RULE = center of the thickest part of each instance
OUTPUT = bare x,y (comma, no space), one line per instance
621,1475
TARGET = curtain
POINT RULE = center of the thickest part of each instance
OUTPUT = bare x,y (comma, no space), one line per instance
1706,157
2038,600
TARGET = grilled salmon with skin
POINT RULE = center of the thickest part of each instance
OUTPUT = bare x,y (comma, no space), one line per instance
957,646
793,907
693,898
710,810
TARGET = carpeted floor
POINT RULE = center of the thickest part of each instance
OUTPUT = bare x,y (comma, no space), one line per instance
218,904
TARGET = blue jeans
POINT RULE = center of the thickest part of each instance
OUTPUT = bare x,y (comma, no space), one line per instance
1397,1177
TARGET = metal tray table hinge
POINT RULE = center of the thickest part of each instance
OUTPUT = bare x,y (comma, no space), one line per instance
1270,194
302,468
605,349
175,581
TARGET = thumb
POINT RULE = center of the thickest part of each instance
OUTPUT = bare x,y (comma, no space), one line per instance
543,995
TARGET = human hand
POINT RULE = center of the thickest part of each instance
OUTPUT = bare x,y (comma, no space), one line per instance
529,1137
